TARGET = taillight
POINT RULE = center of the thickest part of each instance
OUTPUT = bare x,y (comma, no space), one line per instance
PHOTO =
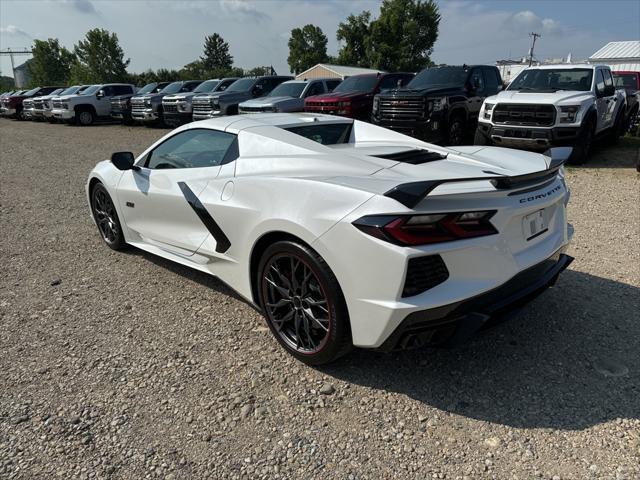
429,228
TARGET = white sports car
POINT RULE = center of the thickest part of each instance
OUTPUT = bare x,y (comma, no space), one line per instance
343,233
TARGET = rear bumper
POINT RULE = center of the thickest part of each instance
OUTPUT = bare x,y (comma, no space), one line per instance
457,322
529,137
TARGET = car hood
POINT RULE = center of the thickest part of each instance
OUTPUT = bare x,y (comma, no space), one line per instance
548,98
66,98
179,96
337,96
431,91
266,101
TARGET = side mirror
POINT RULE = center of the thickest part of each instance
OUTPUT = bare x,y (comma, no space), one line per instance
100,94
123,160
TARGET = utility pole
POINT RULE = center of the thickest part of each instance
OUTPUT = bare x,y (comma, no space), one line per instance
535,36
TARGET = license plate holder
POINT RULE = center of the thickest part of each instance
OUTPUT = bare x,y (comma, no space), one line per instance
534,224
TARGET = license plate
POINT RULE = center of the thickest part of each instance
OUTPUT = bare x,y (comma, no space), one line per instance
534,224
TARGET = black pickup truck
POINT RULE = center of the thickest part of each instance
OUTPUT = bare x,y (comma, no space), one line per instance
121,105
440,104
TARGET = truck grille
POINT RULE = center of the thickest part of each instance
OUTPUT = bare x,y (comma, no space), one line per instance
424,273
202,105
169,107
38,104
529,115
321,104
255,109
137,105
402,108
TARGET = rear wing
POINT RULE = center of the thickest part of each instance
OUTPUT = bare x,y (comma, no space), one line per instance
410,194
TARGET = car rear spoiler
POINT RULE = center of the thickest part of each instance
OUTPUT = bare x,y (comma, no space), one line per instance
410,194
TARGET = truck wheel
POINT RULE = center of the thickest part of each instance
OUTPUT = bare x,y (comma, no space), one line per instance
480,139
85,117
618,129
455,131
19,115
582,146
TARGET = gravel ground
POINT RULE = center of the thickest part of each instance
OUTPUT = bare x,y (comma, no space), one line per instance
122,365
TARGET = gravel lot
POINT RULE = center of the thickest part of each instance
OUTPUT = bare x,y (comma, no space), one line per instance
122,365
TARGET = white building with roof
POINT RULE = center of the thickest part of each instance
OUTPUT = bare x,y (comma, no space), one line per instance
326,70
620,56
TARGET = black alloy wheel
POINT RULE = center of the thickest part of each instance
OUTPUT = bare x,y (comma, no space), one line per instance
106,217
303,304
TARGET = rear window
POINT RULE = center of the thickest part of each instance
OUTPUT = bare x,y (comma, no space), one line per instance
324,133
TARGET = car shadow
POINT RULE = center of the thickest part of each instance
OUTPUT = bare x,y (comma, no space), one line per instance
570,360
624,154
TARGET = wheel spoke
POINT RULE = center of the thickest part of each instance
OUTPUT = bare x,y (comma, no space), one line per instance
317,320
280,303
282,278
283,291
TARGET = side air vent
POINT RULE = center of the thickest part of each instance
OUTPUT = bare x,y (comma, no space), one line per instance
424,273
415,156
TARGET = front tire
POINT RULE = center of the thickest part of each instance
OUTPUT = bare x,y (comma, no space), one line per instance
106,218
480,139
85,117
455,131
303,303
582,147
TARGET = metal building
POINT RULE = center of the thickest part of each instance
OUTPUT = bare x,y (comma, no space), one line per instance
325,70
620,56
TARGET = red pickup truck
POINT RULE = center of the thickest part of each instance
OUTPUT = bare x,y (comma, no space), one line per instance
12,105
354,96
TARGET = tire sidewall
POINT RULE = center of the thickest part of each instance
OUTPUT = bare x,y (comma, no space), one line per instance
339,330
119,242
581,149
455,119
90,118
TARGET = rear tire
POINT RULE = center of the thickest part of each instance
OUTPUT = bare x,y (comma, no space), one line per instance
303,303
106,217
618,129
582,146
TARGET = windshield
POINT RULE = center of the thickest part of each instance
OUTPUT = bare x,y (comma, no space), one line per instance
288,90
31,92
359,83
624,80
553,79
324,133
91,90
148,88
241,85
439,76
70,90
172,88
208,86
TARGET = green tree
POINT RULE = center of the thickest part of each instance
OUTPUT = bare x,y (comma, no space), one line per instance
100,58
192,71
51,63
355,35
307,47
216,54
402,37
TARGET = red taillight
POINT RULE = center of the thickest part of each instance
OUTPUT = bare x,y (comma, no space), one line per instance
428,228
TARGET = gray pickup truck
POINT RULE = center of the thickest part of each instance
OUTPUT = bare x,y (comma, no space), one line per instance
92,104
178,107
226,103
289,96
148,108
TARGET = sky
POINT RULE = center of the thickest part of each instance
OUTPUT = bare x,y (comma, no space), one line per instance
170,33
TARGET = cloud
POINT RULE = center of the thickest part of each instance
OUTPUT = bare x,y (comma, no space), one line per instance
528,21
82,6
14,31
244,8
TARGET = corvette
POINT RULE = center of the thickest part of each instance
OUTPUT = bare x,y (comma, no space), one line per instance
340,232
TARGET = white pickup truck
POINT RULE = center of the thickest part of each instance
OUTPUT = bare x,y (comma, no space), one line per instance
554,105
94,103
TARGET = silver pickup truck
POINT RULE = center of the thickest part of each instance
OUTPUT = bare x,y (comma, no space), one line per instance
178,107
289,96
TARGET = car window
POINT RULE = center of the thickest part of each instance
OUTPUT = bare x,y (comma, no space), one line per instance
196,148
324,133
476,78
600,82
331,84
122,89
390,81
316,88
491,79
108,91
